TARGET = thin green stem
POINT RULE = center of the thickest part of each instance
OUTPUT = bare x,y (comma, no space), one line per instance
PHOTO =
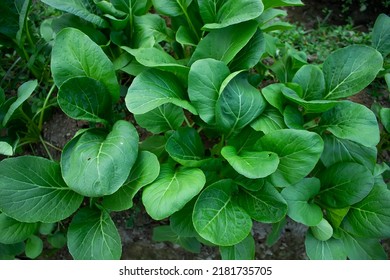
187,121
10,69
46,148
40,123
52,146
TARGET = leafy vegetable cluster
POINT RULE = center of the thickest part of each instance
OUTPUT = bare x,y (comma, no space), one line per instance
226,148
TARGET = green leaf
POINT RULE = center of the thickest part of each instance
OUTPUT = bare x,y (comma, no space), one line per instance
165,233
250,55
336,216
92,235
172,8
32,190
83,98
229,12
74,54
352,121
185,146
96,163
245,250
344,184
384,115
276,232
300,207
224,44
274,96
298,151
181,221
268,121
311,79
34,247
249,184
349,70
266,205
79,8
323,231
342,150
154,144
172,189
204,82
331,249
362,248
24,92
153,88
13,231
161,119
251,164
57,240
281,3
217,218
313,106
238,105
145,170
381,34
371,217
293,117
46,228
6,149
9,251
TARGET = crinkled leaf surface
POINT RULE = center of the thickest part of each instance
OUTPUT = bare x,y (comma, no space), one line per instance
92,235
76,55
349,70
172,189
145,170
352,121
96,163
217,218
300,207
32,190
13,231
298,151
344,184
153,88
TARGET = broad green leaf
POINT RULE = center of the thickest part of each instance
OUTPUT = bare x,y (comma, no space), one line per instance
238,105
230,12
224,44
165,233
323,231
336,216
245,250
251,164
145,170
298,151
342,150
6,149
159,59
266,205
24,92
331,249
57,240
352,121
250,55
249,184
276,26
344,184
172,189
371,216
76,55
92,235
245,140
9,251
300,207
84,98
270,14
349,70
154,144
181,221
293,117
381,34
362,248
34,247
204,82
42,195
96,163
153,88
135,7
79,8
13,231
217,218
276,232
163,118
185,145
384,115
171,8
311,79
185,36
274,96
312,106
9,17
268,121
46,228
281,3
